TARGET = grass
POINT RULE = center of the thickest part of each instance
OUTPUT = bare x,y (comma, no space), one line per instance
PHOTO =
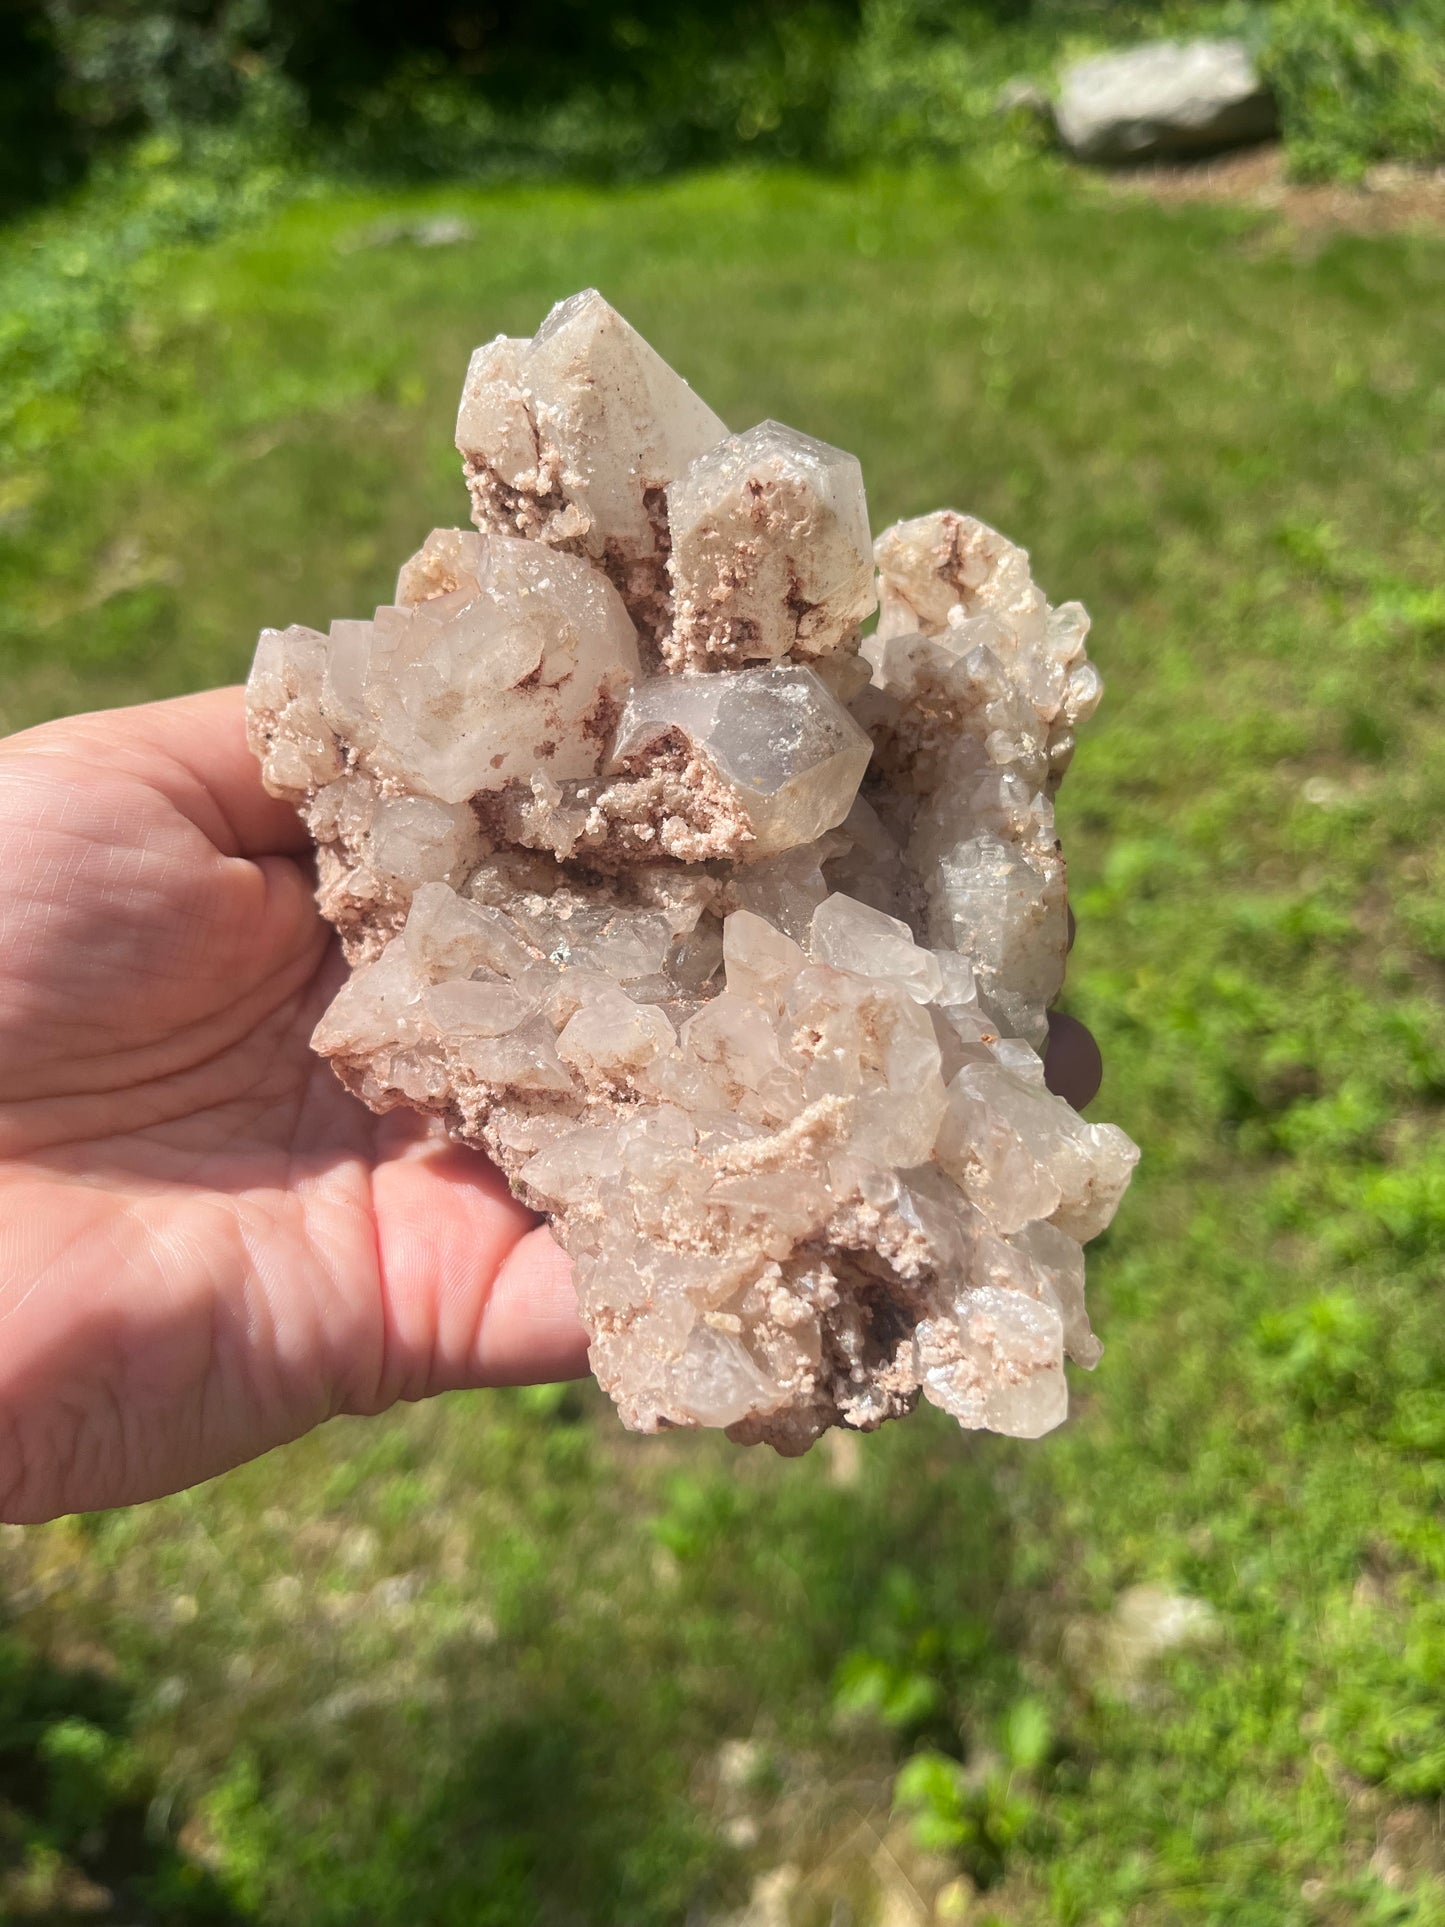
492,1661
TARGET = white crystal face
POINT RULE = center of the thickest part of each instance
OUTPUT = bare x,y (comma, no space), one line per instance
731,947
449,562
939,563
854,936
1009,917
416,839
978,690
572,438
790,753
1023,1158
623,422
518,668
999,1363
771,552
286,722
495,428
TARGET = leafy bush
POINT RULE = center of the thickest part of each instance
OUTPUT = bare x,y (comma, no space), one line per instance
40,151
561,87
433,88
1358,83
687,96
131,65
978,1813
921,79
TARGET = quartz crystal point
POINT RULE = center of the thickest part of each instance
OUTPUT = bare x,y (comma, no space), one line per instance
789,755
742,766
729,939
572,439
978,687
518,662
771,554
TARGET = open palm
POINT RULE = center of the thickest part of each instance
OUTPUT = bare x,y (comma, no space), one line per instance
206,1246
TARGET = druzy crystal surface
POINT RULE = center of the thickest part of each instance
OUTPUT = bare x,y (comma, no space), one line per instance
727,932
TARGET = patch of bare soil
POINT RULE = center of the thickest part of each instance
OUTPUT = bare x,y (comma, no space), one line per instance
1391,197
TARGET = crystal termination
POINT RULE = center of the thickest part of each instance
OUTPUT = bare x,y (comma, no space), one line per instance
728,933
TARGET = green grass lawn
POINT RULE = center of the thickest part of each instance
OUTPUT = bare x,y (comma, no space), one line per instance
493,1661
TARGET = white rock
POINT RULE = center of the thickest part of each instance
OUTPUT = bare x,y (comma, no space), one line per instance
1169,98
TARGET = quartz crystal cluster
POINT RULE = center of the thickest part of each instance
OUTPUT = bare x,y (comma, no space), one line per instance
728,932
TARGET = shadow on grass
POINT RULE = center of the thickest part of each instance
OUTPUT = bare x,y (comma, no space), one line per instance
635,1759
578,1767
77,1838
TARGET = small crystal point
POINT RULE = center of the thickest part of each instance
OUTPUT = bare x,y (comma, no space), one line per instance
771,554
573,437
623,422
854,936
731,944
937,564
503,673
783,747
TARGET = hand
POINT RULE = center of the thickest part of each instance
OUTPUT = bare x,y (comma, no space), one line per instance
206,1245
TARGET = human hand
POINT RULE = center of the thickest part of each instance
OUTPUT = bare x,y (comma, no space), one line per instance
206,1245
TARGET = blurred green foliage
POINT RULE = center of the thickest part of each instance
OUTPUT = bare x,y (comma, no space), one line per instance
978,1815
493,1661
1358,83
634,87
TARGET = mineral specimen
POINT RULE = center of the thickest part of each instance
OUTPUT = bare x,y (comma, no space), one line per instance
729,935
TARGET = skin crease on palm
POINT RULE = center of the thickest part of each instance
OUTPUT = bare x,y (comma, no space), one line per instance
206,1246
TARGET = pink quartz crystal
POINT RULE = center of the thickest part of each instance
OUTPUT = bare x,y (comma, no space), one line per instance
728,934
